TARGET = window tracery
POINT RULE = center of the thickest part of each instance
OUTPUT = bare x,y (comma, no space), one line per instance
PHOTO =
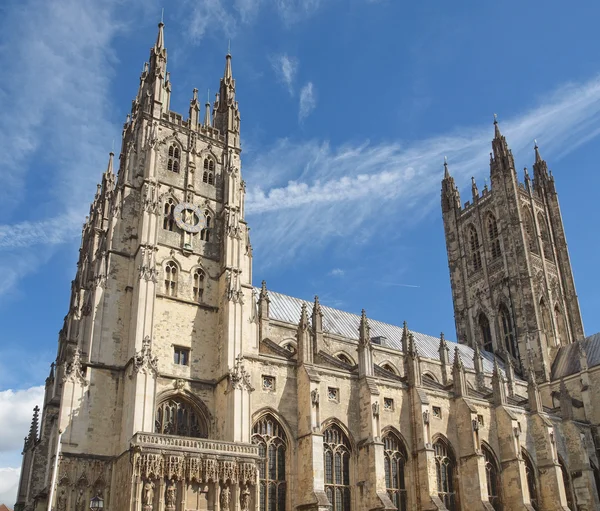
545,235
173,159
395,466
510,341
176,416
445,467
198,285
171,279
336,448
205,233
475,248
560,325
530,231
268,434
168,218
494,236
492,479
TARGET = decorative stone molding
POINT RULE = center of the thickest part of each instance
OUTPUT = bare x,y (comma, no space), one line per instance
144,361
75,372
147,269
375,407
239,378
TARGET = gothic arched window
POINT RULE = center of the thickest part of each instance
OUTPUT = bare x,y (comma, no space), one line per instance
494,236
546,321
492,478
209,171
567,483
530,231
395,465
475,248
560,325
508,333
345,358
445,467
337,468
171,279
531,481
205,233
486,333
545,234
211,178
176,416
268,434
174,157
388,367
198,284
168,219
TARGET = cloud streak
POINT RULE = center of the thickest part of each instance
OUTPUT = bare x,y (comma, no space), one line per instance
285,68
308,101
322,193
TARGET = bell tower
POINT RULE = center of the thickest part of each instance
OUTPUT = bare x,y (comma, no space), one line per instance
510,273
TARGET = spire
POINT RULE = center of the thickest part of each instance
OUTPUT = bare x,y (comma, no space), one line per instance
413,363
541,178
109,168
33,429
263,301
446,171
450,194
305,347
227,116
207,110
227,74
160,38
497,134
444,352
474,189
317,316
478,365
538,158
303,324
363,329
502,158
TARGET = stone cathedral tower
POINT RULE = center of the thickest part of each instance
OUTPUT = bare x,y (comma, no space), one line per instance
512,282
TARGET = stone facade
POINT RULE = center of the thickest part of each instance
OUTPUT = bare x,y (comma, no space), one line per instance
178,386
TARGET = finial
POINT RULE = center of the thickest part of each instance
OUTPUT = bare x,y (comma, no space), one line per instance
495,118
446,171
535,143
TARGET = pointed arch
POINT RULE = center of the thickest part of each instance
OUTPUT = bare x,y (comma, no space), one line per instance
546,321
205,233
485,332
171,272
337,450
493,235
431,376
344,357
567,483
181,414
198,284
561,325
530,231
395,460
273,447
388,366
445,467
168,214
174,156
474,247
531,475
508,331
545,235
492,476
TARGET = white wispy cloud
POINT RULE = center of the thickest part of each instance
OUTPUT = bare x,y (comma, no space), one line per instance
308,101
310,190
216,15
336,272
285,68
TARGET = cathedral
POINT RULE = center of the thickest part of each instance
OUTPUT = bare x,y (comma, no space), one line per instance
180,386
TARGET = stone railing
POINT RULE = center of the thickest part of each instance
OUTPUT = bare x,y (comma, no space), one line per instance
193,445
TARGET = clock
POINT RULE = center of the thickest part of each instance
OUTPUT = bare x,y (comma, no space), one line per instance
188,217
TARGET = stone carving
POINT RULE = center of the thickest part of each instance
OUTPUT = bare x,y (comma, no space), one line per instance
247,473
80,502
175,467
61,501
239,378
228,471
314,397
147,269
179,385
170,496
148,494
375,407
225,498
245,499
426,417
151,465
144,361
74,372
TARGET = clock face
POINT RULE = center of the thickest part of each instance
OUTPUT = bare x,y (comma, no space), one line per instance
188,217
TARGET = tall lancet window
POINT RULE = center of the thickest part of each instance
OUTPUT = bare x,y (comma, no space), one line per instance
531,474
560,325
336,448
209,171
173,161
530,231
545,234
171,279
546,321
485,332
445,467
198,285
168,219
268,434
508,333
492,478
475,248
494,236
395,464
205,233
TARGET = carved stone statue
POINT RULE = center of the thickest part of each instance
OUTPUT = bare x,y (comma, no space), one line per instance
245,499
80,502
314,397
61,501
170,496
225,497
148,494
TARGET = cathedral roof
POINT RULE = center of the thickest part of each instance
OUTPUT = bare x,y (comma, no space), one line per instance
567,359
337,322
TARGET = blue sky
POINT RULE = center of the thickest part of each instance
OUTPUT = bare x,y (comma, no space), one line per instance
348,108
